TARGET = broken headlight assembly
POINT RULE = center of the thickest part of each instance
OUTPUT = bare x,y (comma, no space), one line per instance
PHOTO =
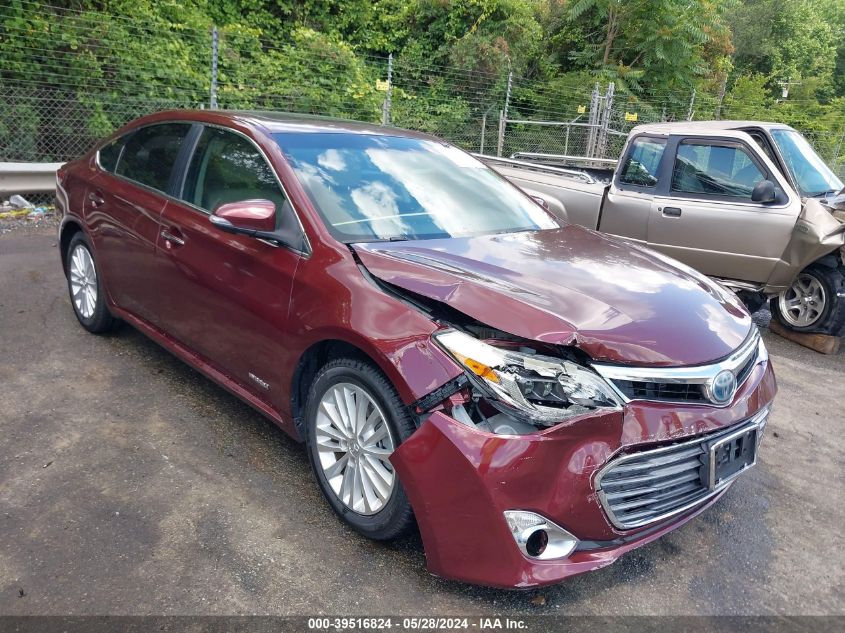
531,387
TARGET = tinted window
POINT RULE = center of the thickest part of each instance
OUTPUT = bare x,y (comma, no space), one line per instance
109,155
374,187
722,170
226,167
151,152
643,161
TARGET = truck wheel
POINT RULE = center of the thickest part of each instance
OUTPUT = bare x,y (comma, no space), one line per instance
814,303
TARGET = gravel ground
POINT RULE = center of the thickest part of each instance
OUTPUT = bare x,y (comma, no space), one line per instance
130,484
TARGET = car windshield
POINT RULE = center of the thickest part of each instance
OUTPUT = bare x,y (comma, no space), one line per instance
370,187
809,171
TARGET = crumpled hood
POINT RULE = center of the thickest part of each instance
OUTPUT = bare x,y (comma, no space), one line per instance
615,300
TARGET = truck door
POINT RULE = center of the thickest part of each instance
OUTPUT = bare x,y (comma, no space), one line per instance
706,217
627,207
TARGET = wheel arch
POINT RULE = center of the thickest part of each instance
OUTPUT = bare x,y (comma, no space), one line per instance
413,366
69,228
316,356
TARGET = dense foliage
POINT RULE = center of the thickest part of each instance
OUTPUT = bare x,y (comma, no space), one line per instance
452,58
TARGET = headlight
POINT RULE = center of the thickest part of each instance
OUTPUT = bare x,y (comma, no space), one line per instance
540,389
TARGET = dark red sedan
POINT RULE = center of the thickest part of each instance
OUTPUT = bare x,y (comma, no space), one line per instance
536,397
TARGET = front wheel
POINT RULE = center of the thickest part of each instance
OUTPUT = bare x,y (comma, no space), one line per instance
355,420
815,302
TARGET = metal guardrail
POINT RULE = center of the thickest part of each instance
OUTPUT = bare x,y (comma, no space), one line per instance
558,171
23,178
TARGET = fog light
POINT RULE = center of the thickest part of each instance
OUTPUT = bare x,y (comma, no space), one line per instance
537,542
537,537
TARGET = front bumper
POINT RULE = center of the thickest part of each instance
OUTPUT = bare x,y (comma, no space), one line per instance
460,480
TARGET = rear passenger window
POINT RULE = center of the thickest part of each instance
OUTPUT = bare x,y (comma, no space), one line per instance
151,152
108,155
715,169
643,161
226,167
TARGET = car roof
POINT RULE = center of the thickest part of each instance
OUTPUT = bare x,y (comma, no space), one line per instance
276,122
700,127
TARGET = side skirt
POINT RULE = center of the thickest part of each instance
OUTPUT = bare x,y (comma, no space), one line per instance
199,363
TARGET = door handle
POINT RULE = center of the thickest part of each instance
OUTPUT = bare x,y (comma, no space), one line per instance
95,199
672,212
171,239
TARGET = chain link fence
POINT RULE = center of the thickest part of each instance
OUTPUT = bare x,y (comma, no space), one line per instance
80,92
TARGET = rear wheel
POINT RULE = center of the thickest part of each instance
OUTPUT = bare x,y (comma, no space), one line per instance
86,288
355,420
814,303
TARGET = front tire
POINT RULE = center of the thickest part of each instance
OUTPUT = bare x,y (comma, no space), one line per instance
355,420
814,303
86,288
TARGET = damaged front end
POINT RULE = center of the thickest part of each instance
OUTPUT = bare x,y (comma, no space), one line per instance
503,472
819,231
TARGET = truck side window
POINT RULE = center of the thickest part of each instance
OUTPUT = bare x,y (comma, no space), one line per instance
716,169
643,161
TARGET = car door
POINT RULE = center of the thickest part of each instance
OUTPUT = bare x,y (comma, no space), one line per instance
706,217
123,207
627,206
226,296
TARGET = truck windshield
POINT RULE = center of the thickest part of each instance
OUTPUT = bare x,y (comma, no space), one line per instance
809,171
377,188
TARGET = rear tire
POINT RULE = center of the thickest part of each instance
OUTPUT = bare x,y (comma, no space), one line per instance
86,287
814,303
349,459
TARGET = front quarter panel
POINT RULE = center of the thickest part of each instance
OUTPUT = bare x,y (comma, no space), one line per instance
333,300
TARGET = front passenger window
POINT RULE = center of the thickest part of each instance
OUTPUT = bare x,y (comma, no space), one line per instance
226,167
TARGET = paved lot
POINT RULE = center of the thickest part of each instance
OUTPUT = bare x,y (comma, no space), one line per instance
131,484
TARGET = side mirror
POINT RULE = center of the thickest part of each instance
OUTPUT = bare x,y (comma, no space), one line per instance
248,217
764,192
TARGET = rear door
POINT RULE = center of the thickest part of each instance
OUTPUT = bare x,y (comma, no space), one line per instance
226,296
707,219
627,206
123,207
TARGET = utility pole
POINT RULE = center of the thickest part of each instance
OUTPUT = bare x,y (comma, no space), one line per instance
503,120
385,111
785,85
691,110
213,98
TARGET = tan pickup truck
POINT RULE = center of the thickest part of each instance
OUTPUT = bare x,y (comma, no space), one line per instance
750,204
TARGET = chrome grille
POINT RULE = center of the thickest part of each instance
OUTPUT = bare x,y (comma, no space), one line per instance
685,385
665,391
645,487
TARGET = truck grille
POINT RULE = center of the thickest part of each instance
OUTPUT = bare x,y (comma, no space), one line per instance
641,488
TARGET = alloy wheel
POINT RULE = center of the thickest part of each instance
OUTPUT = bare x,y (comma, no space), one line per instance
804,303
354,444
83,281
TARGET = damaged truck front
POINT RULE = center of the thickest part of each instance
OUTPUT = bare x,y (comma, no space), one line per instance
749,204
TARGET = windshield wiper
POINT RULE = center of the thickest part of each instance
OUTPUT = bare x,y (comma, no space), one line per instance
825,194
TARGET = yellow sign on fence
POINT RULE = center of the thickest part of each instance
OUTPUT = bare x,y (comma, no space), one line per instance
630,116
381,85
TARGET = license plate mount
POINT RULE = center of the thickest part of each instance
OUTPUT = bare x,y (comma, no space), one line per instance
732,455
